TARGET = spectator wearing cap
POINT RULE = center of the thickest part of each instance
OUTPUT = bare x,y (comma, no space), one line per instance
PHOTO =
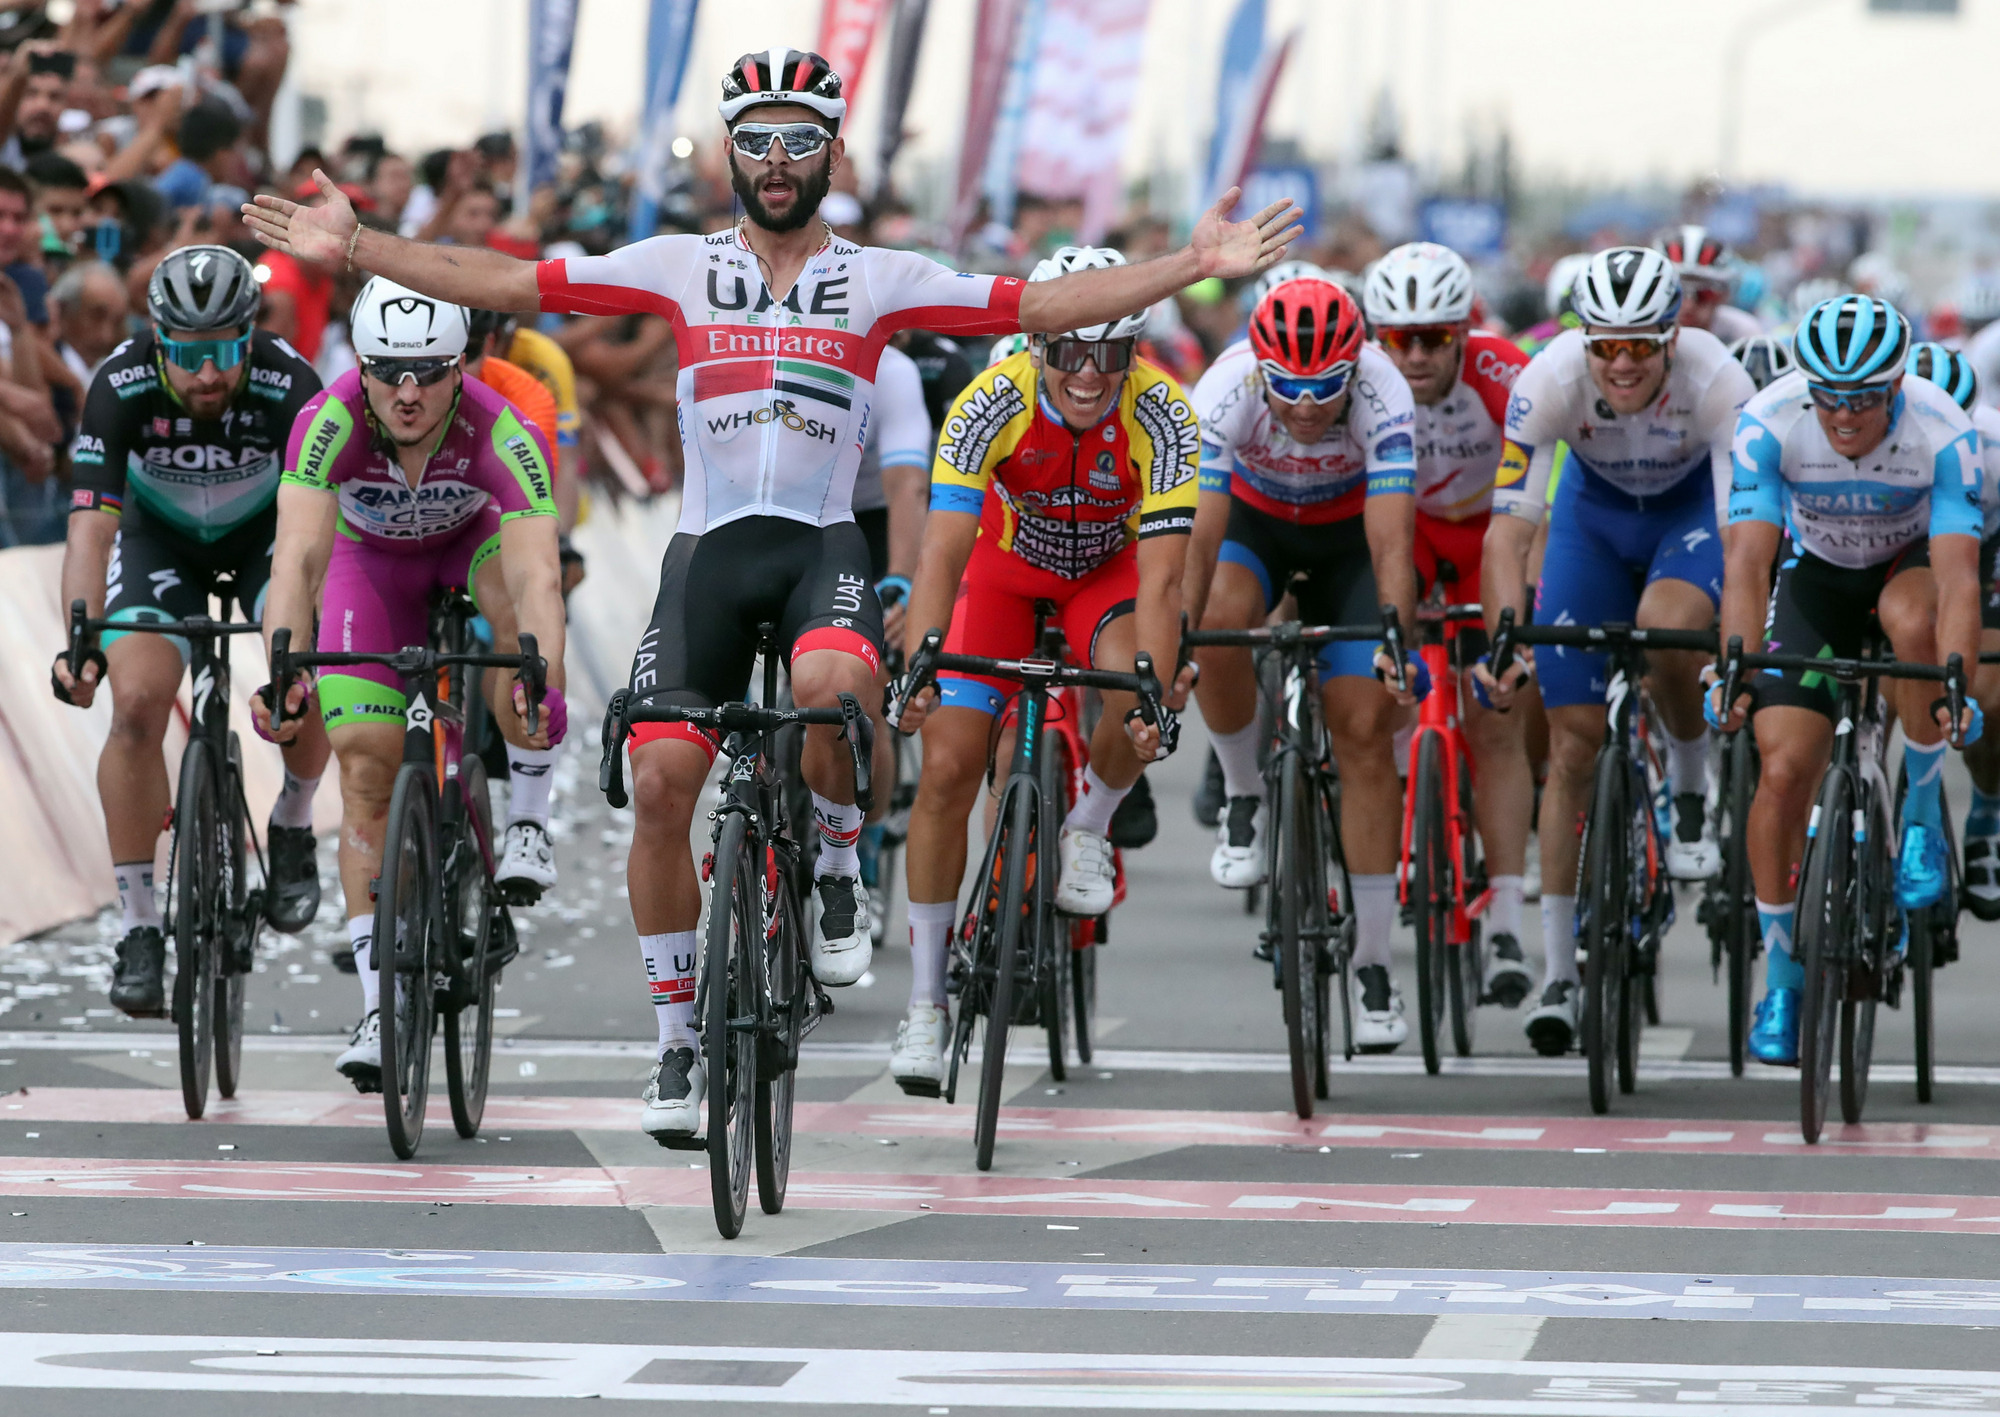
92,316
208,135
34,91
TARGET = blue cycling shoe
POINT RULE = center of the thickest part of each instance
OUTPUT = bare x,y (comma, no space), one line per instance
1922,871
1774,1029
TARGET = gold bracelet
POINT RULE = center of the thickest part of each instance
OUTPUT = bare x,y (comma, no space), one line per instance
350,247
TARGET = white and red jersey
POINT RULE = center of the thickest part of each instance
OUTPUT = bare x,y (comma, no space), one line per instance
775,395
1459,436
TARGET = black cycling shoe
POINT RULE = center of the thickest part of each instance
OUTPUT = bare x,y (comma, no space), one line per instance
343,959
1137,821
1209,796
138,984
292,900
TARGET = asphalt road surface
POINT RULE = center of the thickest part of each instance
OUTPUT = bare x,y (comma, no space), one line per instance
1158,1233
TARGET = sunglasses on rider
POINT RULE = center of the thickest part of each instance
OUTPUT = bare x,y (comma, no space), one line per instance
1640,347
1403,338
394,371
754,140
191,354
1856,400
1322,388
1111,356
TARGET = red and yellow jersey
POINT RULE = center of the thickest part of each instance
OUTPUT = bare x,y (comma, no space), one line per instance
1066,501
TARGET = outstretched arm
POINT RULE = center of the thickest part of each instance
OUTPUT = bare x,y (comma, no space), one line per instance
464,275
1219,247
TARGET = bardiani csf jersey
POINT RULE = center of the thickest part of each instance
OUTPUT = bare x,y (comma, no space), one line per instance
1246,451
201,478
1644,454
1923,479
1459,436
488,454
775,394
1066,501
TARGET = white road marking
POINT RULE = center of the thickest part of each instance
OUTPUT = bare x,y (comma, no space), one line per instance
1502,1337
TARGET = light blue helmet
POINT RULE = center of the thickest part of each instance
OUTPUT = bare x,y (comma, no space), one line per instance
1949,370
1852,339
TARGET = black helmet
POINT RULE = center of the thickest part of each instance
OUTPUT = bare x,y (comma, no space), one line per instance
783,76
481,324
203,288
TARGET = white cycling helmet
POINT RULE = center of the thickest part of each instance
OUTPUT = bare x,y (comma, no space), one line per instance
1628,287
1006,347
1561,283
1254,293
1808,293
390,321
783,76
1090,258
1421,283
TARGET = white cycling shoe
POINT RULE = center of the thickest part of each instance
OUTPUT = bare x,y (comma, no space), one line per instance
361,1062
1551,1028
1089,879
842,944
1693,854
1379,1025
527,858
1238,862
673,1095
917,1060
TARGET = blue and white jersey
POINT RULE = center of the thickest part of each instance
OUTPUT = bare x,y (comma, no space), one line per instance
1645,454
1986,419
1923,479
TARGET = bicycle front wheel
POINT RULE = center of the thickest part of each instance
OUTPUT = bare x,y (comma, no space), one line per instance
407,915
1825,914
1083,942
778,1058
1294,884
1468,978
730,1020
236,943
1739,919
1052,938
1431,887
1012,911
1602,895
1922,962
473,923
1876,925
198,843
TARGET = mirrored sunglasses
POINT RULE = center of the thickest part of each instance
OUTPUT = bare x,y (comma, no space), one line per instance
1857,400
1111,356
393,371
1401,338
1321,388
191,354
754,140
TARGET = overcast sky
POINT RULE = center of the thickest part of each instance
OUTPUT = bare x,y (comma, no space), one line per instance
1833,99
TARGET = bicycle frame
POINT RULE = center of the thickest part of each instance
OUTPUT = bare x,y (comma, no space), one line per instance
1442,714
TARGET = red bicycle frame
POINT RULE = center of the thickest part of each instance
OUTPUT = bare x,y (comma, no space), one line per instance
1442,713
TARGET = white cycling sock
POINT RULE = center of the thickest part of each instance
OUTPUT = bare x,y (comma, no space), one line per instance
136,903
1503,912
531,777
839,830
294,807
670,977
1374,908
1092,812
1237,752
360,936
1687,764
930,938
1558,938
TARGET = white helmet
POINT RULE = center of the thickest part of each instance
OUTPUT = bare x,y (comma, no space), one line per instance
1090,258
1874,273
1006,347
390,321
1808,293
1561,283
1421,283
1254,293
1628,287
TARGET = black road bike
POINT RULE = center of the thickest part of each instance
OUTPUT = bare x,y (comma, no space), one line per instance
1624,896
442,932
214,913
1847,927
756,999
1012,953
1728,908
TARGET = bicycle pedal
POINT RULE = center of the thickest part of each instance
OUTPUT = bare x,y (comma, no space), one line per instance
920,1087
519,893
674,1141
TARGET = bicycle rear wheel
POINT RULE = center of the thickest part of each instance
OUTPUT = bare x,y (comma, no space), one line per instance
1825,913
1468,977
407,917
729,1034
1739,919
1052,939
1648,909
236,943
1602,894
778,1053
471,910
1012,911
198,837
1431,887
1293,884
1083,942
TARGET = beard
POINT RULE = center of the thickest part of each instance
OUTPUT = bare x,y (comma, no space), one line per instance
810,184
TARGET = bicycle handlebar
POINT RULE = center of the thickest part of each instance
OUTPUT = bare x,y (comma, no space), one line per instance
409,662
1852,671
83,631
621,713
931,658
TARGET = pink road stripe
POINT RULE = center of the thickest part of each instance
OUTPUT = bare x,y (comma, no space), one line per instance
330,1109
990,1195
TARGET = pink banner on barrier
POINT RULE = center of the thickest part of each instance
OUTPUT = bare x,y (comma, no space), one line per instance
1080,107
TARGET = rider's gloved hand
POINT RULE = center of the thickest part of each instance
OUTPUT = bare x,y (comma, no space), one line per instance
1713,712
1419,672
555,711
1975,720
1169,725
892,590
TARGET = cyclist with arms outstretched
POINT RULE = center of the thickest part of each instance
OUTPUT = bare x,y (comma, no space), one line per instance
777,323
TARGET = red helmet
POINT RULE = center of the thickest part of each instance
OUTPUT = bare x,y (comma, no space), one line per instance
1306,328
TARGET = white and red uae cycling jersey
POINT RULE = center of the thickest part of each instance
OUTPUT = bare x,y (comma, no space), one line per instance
1459,436
775,394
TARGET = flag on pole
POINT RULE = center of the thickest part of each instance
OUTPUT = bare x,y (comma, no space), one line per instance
994,28
669,39
998,181
1242,46
1243,130
1086,71
906,39
846,34
551,38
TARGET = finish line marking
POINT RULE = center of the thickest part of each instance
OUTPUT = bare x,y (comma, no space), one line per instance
1005,1195
901,1378
1194,1128
1527,1296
